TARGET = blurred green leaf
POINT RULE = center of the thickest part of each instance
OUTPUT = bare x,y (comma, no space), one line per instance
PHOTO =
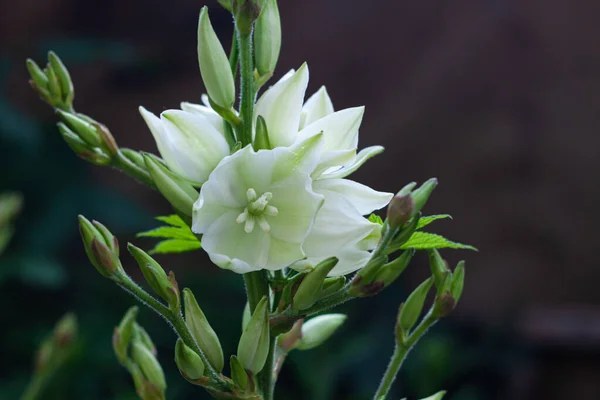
424,241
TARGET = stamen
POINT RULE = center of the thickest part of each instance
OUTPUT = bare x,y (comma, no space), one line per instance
243,216
271,211
251,195
249,226
264,225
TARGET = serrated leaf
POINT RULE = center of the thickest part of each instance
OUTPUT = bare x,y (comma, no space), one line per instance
424,221
375,219
169,232
175,246
174,220
425,240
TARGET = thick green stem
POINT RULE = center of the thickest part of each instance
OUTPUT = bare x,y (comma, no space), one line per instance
246,87
403,347
178,324
266,377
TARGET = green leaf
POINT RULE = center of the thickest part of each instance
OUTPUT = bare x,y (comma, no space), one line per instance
175,246
375,219
424,221
179,237
425,240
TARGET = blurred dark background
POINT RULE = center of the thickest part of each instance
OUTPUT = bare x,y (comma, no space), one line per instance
498,99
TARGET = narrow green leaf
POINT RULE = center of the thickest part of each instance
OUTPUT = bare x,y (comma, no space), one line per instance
424,221
169,232
175,246
174,220
425,240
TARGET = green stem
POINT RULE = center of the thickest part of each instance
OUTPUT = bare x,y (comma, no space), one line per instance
257,286
39,381
403,347
265,377
246,87
178,324
126,165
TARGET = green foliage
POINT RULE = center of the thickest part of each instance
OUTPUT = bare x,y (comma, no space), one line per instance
178,236
424,221
375,219
425,241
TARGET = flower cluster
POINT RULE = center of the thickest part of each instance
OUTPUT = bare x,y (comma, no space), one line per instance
286,206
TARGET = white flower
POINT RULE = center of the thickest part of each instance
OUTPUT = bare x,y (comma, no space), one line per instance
257,208
191,143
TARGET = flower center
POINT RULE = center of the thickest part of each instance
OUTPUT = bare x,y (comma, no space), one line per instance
255,211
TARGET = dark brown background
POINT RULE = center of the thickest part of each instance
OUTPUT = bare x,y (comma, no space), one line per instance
498,99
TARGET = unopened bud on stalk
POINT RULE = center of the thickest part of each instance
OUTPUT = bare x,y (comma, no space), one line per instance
406,232
203,333
332,285
245,13
145,389
38,77
391,271
165,287
411,309
226,4
317,330
63,77
65,331
267,38
99,251
458,281
82,149
261,139
364,283
148,364
421,195
123,334
400,210
214,64
189,363
253,347
180,193
439,271
238,373
140,334
87,131
310,289
135,157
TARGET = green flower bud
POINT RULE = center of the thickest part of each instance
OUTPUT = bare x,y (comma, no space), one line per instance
176,190
54,86
261,139
214,64
86,130
189,363
364,283
123,334
203,333
421,195
43,355
140,334
65,331
332,285
246,316
148,364
100,254
253,347
437,396
439,270
267,38
226,4
400,210
309,291
245,13
411,309
63,77
111,241
317,330
406,189
238,373
391,271
165,287
135,157
143,387
458,281
38,77
405,232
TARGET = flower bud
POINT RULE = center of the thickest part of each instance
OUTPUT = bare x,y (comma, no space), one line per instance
176,190
332,285
140,334
411,309
203,333
289,340
439,270
245,13
82,149
143,387
165,287
267,38
135,157
189,363
123,334
261,139
226,4
65,331
407,189
391,271
363,284
100,254
405,232
309,291
148,364
317,330
238,373
214,64
54,86
38,77
253,347
246,316
458,281
111,240
63,78
82,127
400,210
421,195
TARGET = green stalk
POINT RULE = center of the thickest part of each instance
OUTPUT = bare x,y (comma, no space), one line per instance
178,324
126,165
403,347
265,377
246,86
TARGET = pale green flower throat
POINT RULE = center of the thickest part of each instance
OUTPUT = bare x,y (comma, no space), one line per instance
255,211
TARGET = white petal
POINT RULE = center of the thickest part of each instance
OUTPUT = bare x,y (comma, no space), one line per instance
362,197
340,129
350,259
319,105
208,113
333,160
360,159
281,105
196,145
